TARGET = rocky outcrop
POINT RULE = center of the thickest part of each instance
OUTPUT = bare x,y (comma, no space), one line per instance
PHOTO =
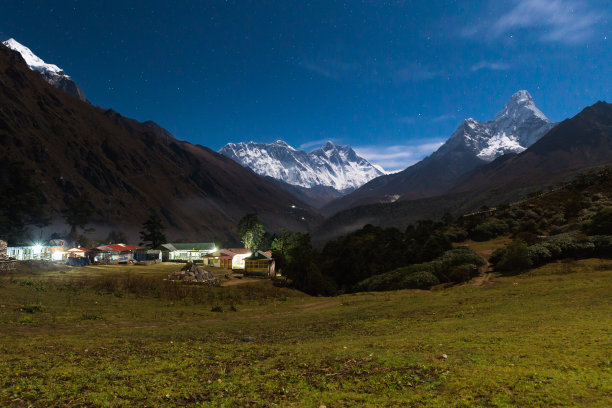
191,273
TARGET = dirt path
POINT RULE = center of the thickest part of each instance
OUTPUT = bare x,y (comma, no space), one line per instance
235,281
484,279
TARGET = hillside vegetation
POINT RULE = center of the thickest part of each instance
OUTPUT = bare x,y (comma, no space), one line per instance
571,220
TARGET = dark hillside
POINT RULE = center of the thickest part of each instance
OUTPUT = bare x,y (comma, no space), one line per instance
128,168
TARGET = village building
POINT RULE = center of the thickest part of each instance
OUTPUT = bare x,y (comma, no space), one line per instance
228,258
120,253
55,250
187,251
260,263
79,256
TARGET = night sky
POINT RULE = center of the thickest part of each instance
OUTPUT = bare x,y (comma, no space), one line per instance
391,78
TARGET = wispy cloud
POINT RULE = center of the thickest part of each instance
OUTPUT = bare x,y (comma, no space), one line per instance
398,157
489,65
409,120
372,71
333,69
443,118
316,143
559,21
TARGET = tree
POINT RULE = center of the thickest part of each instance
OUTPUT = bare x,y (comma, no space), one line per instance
21,202
78,213
251,231
153,232
279,247
301,267
115,237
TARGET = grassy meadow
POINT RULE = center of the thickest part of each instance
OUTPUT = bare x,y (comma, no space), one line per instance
121,336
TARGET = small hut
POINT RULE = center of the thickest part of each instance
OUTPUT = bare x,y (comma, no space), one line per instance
260,264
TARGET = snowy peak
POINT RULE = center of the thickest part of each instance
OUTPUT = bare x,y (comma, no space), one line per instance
51,73
516,127
35,63
330,165
520,107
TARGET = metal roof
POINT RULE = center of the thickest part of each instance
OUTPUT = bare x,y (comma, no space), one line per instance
190,246
118,247
260,255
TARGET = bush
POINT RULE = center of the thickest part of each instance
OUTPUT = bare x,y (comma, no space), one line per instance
420,280
515,258
457,265
539,255
528,237
32,308
443,265
529,226
603,245
456,234
518,256
463,273
489,230
601,223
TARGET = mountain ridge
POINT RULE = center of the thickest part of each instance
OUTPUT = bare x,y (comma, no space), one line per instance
130,169
51,73
330,165
580,143
472,144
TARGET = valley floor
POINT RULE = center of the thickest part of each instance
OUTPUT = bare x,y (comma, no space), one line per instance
543,338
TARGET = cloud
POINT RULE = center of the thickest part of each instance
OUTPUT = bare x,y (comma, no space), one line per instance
398,157
316,143
372,71
413,72
333,69
409,120
443,118
492,66
559,21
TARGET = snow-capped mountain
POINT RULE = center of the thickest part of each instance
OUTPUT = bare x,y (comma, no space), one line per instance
330,165
53,74
514,128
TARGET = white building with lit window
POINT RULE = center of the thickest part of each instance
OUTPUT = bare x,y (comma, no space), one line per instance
55,251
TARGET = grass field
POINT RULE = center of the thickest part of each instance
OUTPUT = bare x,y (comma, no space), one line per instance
120,336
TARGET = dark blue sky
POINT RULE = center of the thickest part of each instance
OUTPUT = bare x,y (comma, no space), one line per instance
391,78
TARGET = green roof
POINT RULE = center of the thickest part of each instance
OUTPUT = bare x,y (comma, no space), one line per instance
190,246
259,255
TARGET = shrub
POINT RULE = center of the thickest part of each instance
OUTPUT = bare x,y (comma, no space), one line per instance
32,308
515,258
496,256
420,280
463,273
601,223
443,265
489,230
456,265
603,245
528,226
456,234
539,254
528,237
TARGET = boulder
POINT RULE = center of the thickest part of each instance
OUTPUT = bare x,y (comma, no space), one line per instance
191,273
